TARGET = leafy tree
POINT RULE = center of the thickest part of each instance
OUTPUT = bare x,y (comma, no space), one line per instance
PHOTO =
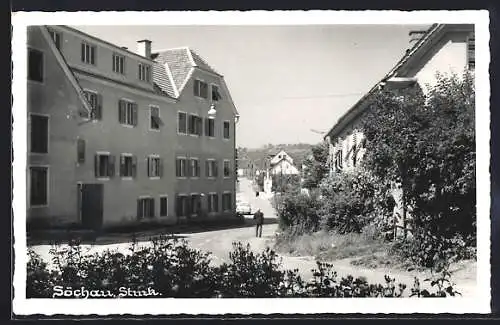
316,167
426,144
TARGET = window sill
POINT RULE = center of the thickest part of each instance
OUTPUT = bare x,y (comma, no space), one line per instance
154,130
103,178
181,133
39,153
154,177
39,206
226,139
127,178
181,177
36,82
130,126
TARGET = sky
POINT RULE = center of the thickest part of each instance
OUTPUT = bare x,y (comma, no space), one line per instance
289,83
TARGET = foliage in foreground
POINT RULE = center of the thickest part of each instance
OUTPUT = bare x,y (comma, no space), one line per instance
173,269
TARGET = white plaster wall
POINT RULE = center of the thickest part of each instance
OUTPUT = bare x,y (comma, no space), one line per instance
451,58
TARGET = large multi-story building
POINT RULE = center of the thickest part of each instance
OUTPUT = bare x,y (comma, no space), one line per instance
116,136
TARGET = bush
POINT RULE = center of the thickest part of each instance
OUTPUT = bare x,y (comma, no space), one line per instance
351,201
298,213
172,269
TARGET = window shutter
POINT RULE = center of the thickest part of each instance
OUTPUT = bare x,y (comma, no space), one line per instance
207,168
216,171
111,166
134,122
216,197
120,111
160,167
190,167
199,121
152,208
148,159
178,205
81,150
134,166
122,165
186,167
177,167
207,126
139,209
96,165
98,109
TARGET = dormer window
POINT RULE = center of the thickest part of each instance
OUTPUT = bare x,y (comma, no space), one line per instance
56,36
144,72
200,89
88,53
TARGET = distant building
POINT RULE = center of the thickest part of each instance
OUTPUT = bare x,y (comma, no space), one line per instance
116,136
282,163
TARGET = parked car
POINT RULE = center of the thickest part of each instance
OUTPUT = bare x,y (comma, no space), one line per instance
243,208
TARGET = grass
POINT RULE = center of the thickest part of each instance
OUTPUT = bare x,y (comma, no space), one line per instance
364,249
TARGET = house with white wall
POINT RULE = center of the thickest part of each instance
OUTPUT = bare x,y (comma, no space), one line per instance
442,48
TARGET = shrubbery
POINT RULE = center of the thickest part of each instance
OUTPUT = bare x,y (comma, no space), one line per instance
422,144
173,269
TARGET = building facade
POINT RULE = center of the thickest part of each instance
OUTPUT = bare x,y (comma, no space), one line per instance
116,136
444,49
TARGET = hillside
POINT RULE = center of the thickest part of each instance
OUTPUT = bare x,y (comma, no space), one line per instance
297,151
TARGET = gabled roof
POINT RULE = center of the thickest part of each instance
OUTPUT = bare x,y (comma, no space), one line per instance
178,64
67,71
433,33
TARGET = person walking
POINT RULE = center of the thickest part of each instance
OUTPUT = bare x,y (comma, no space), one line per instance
259,218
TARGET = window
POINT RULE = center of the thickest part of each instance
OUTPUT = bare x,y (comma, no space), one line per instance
226,129
215,93
154,117
195,204
56,36
155,166
200,89
144,72
104,165
118,63
181,167
182,122
39,186
163,206
211,168
95,101
210,127
128,165
80,151
227,168
226,202
195,125
194,167
127,112
88,53
39,134
35,65
471,48
182,206
213,202
338,160
145,208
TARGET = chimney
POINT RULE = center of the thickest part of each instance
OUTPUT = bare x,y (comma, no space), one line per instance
415,36
144,48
